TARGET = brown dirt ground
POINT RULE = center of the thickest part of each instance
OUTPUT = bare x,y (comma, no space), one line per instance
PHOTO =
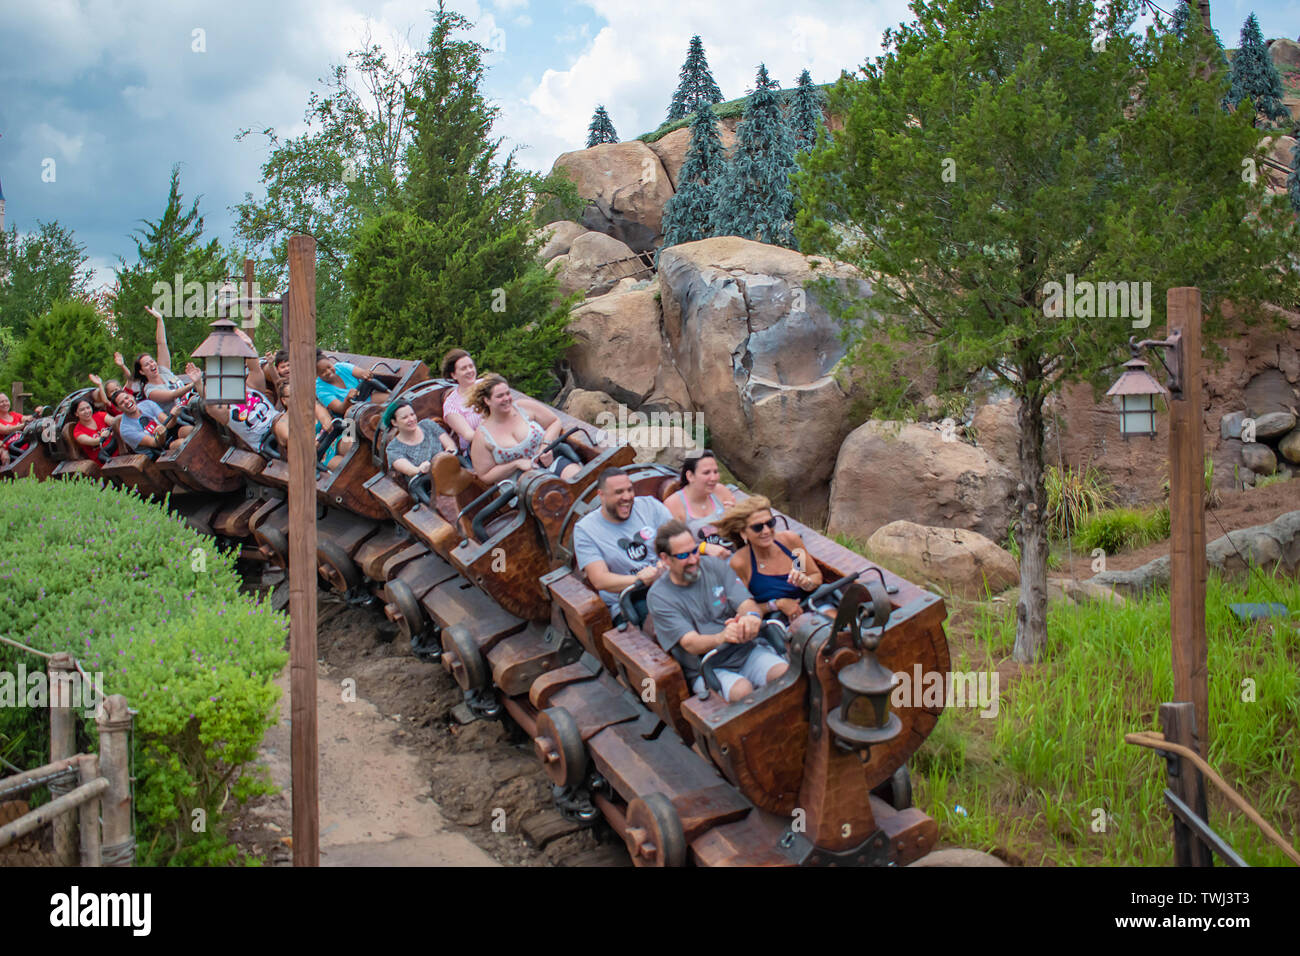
471,769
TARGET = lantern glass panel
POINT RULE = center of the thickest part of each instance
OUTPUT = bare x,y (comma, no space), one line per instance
1138,415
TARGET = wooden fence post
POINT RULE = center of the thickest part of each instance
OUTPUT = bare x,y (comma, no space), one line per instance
63,744
115,765
88,771
1178,721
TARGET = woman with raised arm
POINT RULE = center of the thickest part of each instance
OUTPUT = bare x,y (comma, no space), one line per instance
512,434
701,500
774,565
460,417
153,379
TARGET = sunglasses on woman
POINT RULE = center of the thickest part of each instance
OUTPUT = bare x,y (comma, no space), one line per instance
769,523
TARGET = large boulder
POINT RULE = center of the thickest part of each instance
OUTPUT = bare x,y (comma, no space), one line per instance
1259,458
1281,150
589,405
758,352
626,186
997,430
1273,425
951,559
557,238
1285,54
1289,446
588,265
887,471
616,345
671,149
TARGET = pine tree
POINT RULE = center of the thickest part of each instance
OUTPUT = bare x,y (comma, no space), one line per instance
1254,76
1178,23
695,86
60,348
170,247
805,112
754,199
688,215
601,129
451,262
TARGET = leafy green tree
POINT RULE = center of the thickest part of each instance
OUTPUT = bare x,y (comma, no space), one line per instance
61,346
327,181
806,103
171,246
1254,77
36,271
688,215
695,85
601,129
1134,175
452,261
754,197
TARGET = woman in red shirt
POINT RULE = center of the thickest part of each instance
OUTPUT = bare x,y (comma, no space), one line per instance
93,432
11,427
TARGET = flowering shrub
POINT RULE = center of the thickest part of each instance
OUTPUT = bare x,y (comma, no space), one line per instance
132,592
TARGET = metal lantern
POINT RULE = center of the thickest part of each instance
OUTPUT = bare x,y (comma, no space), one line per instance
225,355
1135,394
864,718
227,296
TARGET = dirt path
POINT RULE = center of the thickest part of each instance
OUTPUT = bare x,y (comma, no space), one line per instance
401,782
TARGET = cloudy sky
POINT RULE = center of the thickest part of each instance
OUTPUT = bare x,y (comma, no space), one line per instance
102,97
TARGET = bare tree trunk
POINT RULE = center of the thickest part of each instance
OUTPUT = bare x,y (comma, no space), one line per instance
1031,612
1204,7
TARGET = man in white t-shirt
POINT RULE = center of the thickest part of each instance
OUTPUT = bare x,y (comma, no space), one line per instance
614,545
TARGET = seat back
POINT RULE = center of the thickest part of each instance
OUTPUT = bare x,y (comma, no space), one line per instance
75,450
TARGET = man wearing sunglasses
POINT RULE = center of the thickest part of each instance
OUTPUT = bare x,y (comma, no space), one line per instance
614,545
702,606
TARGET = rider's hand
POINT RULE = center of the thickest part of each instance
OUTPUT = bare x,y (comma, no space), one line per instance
352,395
717,550
117,358
732,633
545,460
788,606
749,625
424,468
524,464
647,574
96,379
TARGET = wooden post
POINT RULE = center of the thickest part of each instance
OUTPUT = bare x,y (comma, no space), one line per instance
247,311
88,772
301,322
1187,517
16,397
115,766
1178,722
63,744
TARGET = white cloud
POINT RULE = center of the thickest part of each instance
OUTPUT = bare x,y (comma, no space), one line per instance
47,137
632,63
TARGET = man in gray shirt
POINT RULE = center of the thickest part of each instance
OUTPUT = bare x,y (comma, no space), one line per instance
702,606
614,545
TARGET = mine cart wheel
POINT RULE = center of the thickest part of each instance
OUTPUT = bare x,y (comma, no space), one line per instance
559,746
278,544
336,567
462,660
897,790
407,614
654,832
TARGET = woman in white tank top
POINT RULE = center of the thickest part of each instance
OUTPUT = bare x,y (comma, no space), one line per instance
702,498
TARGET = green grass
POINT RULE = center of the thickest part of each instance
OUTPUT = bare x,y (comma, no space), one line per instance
1122,529
1032,779
1267,480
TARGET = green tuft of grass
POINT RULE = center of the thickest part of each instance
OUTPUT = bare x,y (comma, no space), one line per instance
1122,529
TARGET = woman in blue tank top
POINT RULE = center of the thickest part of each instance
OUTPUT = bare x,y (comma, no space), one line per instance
774,565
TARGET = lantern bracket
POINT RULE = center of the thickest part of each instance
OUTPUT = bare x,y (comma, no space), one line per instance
1173,364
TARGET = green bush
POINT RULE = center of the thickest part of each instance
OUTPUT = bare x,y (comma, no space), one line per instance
1073,496
60,347
136,595
1121,529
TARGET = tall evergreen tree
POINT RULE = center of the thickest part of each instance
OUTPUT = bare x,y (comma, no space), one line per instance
1254,76
1178,23
688,215
695,85
754,198
170,247
805,112
601,129
451,262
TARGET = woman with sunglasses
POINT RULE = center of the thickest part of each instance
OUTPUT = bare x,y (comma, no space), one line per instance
774,565
701,499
